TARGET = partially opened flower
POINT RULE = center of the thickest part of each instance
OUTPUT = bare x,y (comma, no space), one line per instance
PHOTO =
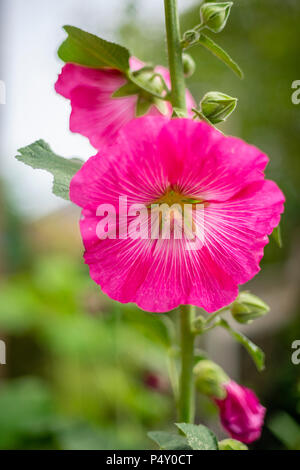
156,160
241,413
98,115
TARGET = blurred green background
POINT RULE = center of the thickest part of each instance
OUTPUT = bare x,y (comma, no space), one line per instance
84,372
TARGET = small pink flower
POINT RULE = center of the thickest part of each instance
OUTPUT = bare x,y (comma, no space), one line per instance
154,159
241,413
95,114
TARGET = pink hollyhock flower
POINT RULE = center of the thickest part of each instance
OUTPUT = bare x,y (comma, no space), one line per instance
95,114
241,413
155,159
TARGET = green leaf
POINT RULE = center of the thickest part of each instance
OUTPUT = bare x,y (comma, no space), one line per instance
178,113
125,90
232,444
161,106
255,352
39,155
169,441
220,53
201,116
276,234
87,49
286,429
199,437
142,106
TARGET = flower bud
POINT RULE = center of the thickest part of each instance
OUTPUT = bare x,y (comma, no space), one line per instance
150,80
231,444
247,307
241,413
210,379
189,65
216,106
199,323
214,16
191,36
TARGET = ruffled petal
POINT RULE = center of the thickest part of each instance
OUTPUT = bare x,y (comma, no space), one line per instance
95,114
235,231
129,168
202,162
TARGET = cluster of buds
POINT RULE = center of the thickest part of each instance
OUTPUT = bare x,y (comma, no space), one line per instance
215,107
213,16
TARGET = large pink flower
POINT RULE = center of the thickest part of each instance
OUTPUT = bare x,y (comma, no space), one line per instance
241,413
95,114
152,159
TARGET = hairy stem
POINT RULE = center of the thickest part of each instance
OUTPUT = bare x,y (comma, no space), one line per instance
186,384
175,55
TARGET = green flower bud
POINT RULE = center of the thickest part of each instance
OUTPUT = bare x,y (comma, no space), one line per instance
199,323
214,16
146,83
216,106
210,379
247,307
231,444
189,65
150,80
190,37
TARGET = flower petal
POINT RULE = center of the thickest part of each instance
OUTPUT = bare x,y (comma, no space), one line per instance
95,114
149,155
235,231
205,163
129,168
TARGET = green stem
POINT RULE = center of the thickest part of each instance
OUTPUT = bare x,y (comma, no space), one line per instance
175,55
186,384
213,316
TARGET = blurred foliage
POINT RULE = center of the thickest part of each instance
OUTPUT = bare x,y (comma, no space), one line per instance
280,390
286,430
85,373
95,361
